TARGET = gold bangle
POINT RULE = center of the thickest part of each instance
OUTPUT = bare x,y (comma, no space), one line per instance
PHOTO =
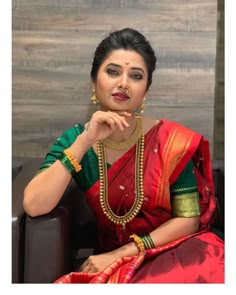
73,160
138,242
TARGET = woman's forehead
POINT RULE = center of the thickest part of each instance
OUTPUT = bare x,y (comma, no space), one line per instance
124,57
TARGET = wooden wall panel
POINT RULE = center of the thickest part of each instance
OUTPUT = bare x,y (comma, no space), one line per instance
219,119
53,45
104,15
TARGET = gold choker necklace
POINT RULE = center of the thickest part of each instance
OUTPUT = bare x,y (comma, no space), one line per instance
103,191
120,145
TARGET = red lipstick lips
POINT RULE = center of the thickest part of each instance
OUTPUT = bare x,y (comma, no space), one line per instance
120,96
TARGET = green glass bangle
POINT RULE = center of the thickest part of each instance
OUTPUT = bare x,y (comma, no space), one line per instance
66,162
148,242
146,246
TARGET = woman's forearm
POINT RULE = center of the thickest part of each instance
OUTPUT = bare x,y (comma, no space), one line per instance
45,190
174,229
171,230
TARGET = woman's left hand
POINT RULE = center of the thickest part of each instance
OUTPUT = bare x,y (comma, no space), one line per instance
96,263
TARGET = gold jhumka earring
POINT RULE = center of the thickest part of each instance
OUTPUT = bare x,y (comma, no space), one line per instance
94,98
142,107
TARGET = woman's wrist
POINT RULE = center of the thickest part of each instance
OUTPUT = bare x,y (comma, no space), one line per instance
80,146
129,249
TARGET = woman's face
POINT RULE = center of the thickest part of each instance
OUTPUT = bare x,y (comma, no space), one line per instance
121,81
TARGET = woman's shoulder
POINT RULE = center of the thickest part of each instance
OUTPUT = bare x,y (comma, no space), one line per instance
166,126
174,135
174,126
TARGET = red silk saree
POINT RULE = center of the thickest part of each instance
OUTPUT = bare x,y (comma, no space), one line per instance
198,258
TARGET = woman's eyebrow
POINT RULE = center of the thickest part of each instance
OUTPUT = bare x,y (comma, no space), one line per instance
119,66
138,69
114,65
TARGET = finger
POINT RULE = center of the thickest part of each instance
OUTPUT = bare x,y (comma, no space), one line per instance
110,121
82,266
87,269
124,113
101,115
119,120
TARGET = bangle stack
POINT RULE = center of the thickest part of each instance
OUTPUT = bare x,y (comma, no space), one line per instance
143,243
70,162
148,242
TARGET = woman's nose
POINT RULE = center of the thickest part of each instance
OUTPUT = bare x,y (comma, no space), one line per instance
124,83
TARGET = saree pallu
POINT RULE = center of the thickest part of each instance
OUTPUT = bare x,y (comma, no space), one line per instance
197,258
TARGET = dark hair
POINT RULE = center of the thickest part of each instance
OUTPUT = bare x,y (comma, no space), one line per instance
128,39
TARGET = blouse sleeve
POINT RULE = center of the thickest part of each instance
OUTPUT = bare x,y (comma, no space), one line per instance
184,194
63,142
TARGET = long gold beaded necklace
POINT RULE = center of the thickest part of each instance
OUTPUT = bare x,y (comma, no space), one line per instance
103,191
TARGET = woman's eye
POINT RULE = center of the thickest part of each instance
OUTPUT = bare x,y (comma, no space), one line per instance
112,72
137,76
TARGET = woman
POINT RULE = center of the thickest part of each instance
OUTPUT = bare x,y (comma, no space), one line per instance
148,181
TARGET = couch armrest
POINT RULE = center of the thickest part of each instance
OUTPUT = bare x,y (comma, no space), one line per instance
28,168
52,239
42,247
47,246
218,177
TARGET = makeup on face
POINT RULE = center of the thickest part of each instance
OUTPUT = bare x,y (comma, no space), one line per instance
134,73
122,81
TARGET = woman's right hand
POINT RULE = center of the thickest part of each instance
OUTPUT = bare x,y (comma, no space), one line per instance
104,123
